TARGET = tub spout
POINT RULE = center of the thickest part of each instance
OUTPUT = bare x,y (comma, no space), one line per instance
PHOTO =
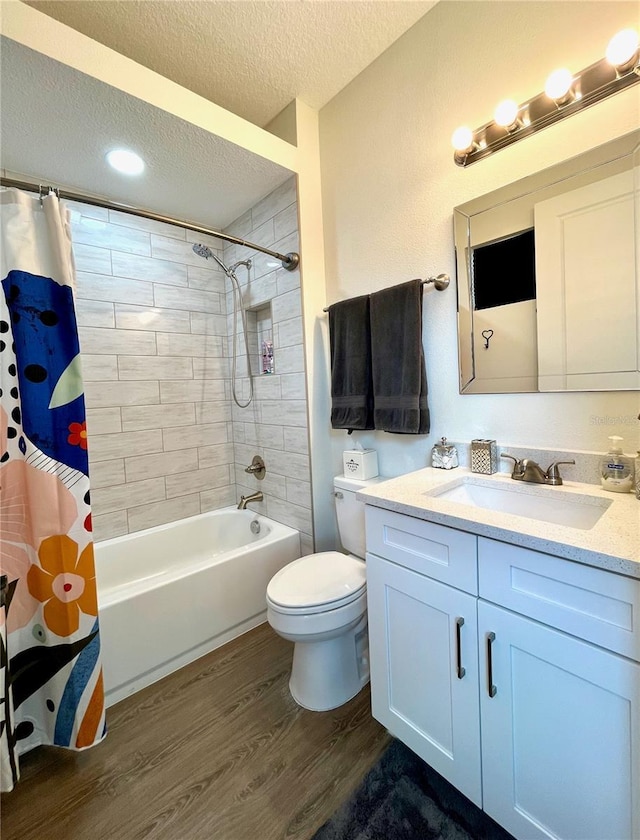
252,497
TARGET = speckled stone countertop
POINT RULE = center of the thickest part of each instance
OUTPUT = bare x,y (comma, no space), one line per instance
613,543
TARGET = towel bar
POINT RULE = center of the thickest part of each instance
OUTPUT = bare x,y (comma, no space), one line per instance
440,283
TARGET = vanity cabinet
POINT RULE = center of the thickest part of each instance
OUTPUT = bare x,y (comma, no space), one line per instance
542,729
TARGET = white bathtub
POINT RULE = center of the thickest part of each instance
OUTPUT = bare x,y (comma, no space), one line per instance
170,594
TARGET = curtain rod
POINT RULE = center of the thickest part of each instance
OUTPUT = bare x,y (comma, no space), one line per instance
289,261
440,283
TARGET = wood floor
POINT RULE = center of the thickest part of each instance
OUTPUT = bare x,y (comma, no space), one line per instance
217,751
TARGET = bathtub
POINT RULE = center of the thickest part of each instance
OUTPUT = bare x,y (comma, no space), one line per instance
170,594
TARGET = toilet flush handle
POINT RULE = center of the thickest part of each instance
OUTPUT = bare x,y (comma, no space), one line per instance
338,494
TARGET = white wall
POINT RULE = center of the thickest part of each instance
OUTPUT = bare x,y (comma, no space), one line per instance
390,184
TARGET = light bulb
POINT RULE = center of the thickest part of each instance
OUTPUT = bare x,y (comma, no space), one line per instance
462,139
558,84
622,47
506,113
126,162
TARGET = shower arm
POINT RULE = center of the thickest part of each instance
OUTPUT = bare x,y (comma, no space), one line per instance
289,261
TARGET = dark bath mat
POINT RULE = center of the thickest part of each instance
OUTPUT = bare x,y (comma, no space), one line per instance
402,798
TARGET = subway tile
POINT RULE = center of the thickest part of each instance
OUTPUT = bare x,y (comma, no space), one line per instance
306,544
274,203
137,417
259,434
295,440
212,456
218,498
167,248
287,280
214,242
98,367
258,291
159,513
203,323
193,300
90,258
211,368
105,287
104,394
149,269
271,485
240,227
210,279
195,390
299,492
197,481
94,313
79,208
289,514
87,231
106,473
98,340
267,387
286,333
264,263
243,454
131,220
181,344
263,234
286,221
123,496
154,367
140,467
284,307
290,360
109,525
107,447
213,412
102,421
293,411
287,463
293,386
187,437
129,317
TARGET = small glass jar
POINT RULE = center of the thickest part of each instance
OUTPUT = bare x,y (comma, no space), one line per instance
444,456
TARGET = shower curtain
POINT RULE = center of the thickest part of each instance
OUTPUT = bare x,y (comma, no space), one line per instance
50,672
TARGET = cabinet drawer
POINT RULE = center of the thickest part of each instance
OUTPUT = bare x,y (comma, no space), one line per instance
442,553
593,604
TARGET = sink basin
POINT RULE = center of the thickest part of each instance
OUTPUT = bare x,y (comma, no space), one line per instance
574,510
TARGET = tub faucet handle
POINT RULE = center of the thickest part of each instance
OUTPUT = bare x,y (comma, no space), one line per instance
256,467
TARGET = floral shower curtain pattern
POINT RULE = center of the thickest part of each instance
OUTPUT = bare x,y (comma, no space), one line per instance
50,673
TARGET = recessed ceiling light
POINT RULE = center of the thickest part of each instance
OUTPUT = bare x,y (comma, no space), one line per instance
129,163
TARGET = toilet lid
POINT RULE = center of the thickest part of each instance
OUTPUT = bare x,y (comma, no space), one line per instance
321,578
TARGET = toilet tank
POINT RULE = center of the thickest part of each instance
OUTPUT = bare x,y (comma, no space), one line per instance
350,513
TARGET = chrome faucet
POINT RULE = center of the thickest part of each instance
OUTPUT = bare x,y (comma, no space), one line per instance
252,497
528,470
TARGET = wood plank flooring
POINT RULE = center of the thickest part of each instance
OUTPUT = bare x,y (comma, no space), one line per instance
216,751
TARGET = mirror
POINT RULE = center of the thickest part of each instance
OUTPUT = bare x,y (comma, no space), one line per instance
548,278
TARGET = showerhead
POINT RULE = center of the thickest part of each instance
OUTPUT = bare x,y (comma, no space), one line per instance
203,251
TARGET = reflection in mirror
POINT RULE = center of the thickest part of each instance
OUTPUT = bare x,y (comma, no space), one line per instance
549,266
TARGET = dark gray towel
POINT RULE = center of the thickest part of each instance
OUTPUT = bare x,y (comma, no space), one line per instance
351,384
399,373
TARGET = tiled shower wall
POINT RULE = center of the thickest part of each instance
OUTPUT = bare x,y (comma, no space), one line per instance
275,424
153,331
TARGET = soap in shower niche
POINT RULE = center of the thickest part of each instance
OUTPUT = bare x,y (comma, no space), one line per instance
267,357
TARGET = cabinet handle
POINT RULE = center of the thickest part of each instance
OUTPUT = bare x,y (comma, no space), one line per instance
460,670
491,688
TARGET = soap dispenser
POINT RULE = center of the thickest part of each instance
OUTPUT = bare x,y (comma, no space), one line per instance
616,469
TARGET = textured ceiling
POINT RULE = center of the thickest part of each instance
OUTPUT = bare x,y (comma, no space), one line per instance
252,58
57,124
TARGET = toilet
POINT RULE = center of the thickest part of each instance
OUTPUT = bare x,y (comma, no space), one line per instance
320,603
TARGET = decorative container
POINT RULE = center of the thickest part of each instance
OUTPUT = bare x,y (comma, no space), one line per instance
360,463
484,456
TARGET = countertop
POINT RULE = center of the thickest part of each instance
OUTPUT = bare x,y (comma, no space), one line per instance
613,543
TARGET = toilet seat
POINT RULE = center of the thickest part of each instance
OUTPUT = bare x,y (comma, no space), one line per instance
317,583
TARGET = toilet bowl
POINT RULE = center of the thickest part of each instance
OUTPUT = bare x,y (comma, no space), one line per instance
319,602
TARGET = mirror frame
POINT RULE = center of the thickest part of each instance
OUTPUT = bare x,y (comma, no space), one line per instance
579,170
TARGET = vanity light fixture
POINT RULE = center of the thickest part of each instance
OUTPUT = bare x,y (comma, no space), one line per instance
565,93
125,161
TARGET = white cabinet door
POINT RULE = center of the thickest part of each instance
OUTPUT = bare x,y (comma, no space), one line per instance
424,669
561,735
